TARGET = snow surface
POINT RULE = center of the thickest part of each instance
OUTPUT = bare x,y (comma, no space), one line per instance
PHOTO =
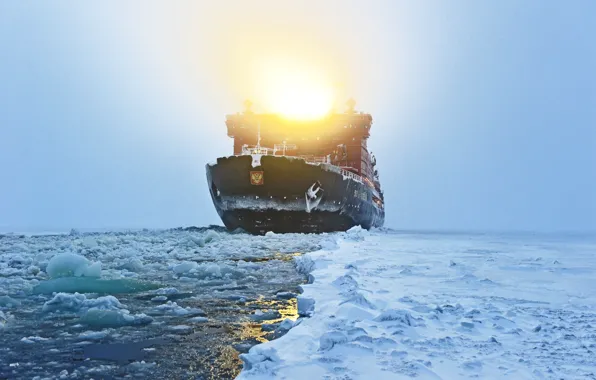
393,306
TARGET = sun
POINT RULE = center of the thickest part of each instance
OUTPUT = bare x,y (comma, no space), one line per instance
296,92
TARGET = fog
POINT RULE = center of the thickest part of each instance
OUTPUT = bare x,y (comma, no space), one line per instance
484,113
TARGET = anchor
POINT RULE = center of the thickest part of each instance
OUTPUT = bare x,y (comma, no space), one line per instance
313,196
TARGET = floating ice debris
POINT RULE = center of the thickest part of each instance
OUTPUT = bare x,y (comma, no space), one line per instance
286,324
198,320
93,285
259,315
180,327
285,295
70,264
3,319
172,308
33,339
64,302
6,301
243,347
269,326
166,291
306,306
356,233
88,242
141,366
304,264
132,265
261,359
114,318
185,267
94,335
211,236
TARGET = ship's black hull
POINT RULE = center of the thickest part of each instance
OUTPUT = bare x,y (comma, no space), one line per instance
280,200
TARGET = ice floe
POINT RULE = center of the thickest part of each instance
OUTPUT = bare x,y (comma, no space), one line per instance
383,305
69,265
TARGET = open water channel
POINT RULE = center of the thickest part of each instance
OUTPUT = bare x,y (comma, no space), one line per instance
179,304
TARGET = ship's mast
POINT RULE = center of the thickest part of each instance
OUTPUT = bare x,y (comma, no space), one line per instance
259,137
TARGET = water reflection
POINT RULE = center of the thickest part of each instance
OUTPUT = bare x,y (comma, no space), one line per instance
250,333
254,330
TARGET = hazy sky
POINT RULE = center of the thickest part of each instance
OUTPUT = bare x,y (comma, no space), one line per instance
484,112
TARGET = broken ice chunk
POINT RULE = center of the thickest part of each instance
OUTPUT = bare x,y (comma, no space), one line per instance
93,285
70,264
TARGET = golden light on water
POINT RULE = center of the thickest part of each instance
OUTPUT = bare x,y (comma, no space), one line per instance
294,90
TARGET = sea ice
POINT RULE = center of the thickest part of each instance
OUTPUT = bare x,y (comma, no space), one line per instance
3,319
132,265
286,324
330,339
94,335
166,291
65,302
304,264
260,359
103,318
70,264
93,285
106,311
185,267
6,301
198,319
260,315
306,306
385,305
33,339
172,308
394,315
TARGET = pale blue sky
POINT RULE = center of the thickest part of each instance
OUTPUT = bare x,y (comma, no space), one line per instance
484,112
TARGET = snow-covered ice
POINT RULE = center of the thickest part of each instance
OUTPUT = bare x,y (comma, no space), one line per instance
441,306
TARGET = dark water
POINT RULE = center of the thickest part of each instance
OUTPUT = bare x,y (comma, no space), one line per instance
60,345
202,350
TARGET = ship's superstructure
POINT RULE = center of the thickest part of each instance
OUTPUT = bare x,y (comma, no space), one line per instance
298,176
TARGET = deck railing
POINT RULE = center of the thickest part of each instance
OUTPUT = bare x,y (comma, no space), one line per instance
311,159
316,159
349,174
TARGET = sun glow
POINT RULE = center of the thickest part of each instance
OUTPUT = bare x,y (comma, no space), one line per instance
296,92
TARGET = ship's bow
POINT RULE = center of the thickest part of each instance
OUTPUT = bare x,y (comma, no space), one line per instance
280,194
